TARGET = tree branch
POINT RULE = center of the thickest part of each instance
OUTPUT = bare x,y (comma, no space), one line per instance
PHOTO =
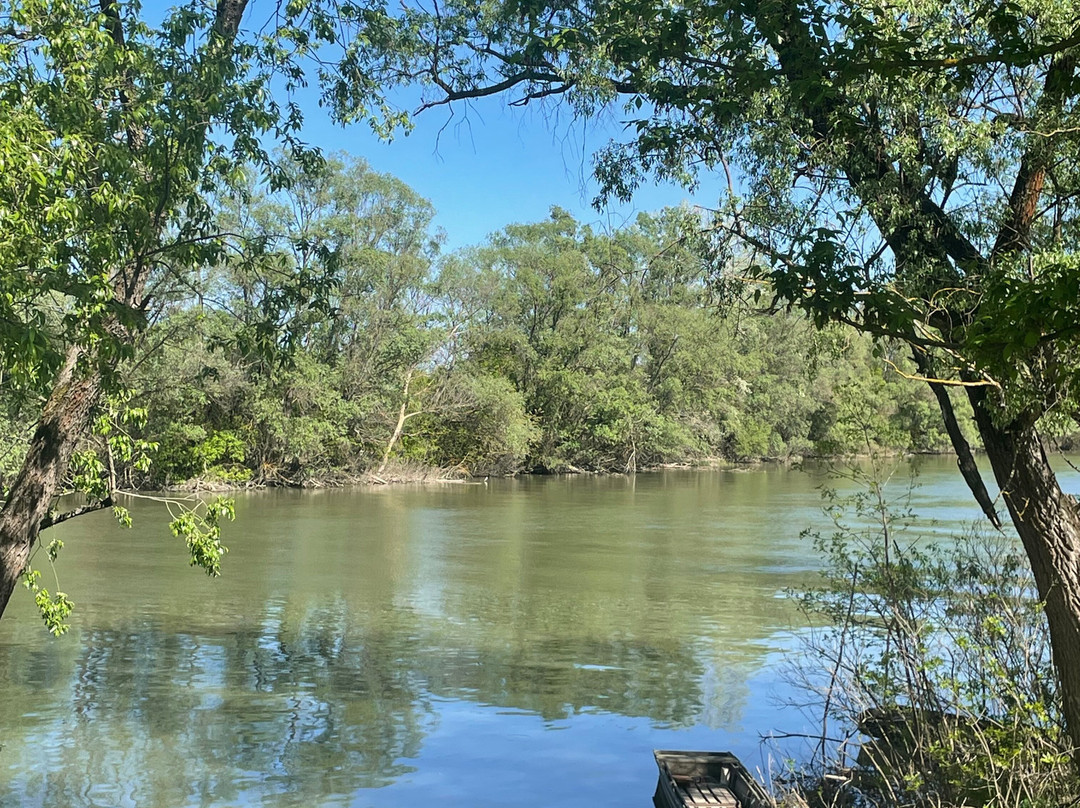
54,519
1015,233
451,95
965,461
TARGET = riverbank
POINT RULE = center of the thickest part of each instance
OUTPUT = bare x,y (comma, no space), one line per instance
396,473
403,472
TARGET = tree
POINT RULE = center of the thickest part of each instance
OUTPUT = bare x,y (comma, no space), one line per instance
570,321
115,136
909,169
370,239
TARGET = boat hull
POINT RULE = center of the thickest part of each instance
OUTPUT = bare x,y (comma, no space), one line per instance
706,780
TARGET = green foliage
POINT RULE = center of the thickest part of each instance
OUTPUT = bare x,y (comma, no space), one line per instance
551,347
113,444
200,528
489,431
936,651
111,131
870,180
54,609
14,440
188,452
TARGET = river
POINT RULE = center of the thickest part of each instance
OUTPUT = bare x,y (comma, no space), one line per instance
524,642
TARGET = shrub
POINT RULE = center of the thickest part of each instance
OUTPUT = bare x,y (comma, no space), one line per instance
935,685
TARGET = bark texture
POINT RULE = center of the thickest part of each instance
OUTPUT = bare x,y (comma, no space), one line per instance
64,419
1048,523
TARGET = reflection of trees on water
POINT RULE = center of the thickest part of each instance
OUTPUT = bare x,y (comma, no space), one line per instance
314,670
299,706
291,712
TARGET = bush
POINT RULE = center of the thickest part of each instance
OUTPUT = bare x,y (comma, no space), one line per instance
937,686
488,431
189,451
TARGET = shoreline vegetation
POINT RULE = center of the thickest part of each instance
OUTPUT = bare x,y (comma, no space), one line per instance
549,348
406,473
930,662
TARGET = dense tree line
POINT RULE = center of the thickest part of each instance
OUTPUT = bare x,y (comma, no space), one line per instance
550,347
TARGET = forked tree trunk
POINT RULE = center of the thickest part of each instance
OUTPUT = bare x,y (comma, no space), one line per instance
63,420
399,427
1048,523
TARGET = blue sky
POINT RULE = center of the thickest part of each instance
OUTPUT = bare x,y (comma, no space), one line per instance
485,165
490,165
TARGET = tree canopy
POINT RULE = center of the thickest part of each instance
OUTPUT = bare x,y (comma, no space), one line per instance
549,347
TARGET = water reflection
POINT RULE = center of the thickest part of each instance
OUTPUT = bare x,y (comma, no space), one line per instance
369,647
295,711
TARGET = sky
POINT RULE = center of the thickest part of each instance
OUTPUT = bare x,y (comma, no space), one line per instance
488,165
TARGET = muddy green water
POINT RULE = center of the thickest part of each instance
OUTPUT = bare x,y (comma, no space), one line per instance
521,643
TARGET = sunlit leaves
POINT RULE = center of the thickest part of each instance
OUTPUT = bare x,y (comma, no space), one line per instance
108,129
200,528
54,609
871,149
1027,332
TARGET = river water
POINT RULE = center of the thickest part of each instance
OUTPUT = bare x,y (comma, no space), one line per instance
523,642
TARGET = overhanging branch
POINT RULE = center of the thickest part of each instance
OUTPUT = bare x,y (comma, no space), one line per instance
451,95
54,519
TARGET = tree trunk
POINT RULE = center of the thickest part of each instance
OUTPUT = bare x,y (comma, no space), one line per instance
80,382
965,459
399,426
63,420
1048,522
